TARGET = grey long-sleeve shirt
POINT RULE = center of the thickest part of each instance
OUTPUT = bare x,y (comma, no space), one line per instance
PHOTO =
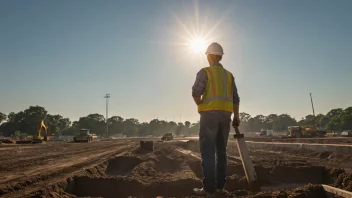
198,88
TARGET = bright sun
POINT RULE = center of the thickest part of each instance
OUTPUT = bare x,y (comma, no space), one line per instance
197,45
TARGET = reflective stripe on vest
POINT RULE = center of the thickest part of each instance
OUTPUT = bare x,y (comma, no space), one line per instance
218,92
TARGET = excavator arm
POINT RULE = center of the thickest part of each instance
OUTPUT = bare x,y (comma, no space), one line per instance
42,126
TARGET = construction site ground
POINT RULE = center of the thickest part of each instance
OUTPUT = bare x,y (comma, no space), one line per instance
118,168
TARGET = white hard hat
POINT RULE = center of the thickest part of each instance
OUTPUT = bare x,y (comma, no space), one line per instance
215,48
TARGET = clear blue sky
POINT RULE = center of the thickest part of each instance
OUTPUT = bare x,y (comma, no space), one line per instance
65,55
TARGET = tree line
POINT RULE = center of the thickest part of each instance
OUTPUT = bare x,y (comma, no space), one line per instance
27,122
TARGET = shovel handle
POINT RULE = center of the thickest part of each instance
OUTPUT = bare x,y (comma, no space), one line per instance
237,133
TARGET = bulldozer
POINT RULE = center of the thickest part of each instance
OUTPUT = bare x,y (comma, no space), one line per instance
306,131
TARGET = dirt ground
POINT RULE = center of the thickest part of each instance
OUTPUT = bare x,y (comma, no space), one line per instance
118,168
323,140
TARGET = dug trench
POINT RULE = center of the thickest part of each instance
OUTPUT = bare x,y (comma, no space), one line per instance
168,173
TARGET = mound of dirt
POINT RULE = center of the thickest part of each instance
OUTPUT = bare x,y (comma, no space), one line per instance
308,191
122,165
144,169
168,165
340,178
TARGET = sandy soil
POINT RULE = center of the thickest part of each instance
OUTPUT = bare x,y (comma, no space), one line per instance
119,169
325,140
27,168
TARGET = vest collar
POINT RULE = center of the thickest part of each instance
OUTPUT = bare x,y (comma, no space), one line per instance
216,64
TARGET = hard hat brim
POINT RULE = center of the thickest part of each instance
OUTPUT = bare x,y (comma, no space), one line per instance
219,54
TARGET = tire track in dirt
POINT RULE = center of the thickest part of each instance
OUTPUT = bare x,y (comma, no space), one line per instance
30,171
24,162
40,176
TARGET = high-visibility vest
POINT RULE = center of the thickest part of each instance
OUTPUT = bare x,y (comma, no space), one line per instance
218,95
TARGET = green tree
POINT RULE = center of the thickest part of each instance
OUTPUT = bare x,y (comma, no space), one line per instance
143,129
2,117
270,121
327,120
342,121
131,127
180,129
308,120
187,124
244,126
94,122
57,124
283,122
244,117
116,125
194,130
257,123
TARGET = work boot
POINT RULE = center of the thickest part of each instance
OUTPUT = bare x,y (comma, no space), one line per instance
222,191
202,192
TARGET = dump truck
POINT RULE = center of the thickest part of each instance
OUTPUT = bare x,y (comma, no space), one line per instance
84,136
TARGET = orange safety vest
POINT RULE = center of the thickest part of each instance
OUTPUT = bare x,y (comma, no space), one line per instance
218,95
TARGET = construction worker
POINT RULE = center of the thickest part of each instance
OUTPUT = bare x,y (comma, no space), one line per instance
215,94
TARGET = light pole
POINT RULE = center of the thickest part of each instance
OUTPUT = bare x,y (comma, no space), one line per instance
107,96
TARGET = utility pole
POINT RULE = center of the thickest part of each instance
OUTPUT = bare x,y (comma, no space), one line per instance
311,99
107,96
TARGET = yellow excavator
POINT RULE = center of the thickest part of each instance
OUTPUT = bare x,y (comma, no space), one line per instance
37,138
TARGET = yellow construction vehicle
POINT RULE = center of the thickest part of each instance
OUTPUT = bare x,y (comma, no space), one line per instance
38,138
306,131
85,136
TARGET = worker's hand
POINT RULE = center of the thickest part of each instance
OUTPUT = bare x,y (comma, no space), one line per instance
236,121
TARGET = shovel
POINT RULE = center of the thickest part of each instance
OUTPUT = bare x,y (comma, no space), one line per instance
246,162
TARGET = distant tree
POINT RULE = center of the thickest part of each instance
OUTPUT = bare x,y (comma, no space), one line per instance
308,120
244,126
17,133
283,122
131,127
26,121
342,121
334,112
194,129
330,120
324,121
187,124
270,121
256,123
116,125
94,122
57,124
143,129
318,118
180,129
244,117
2,117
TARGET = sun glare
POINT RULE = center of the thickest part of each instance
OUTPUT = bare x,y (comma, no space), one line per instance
194,32
197,45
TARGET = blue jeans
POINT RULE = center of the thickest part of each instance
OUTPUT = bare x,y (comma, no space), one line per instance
213,135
